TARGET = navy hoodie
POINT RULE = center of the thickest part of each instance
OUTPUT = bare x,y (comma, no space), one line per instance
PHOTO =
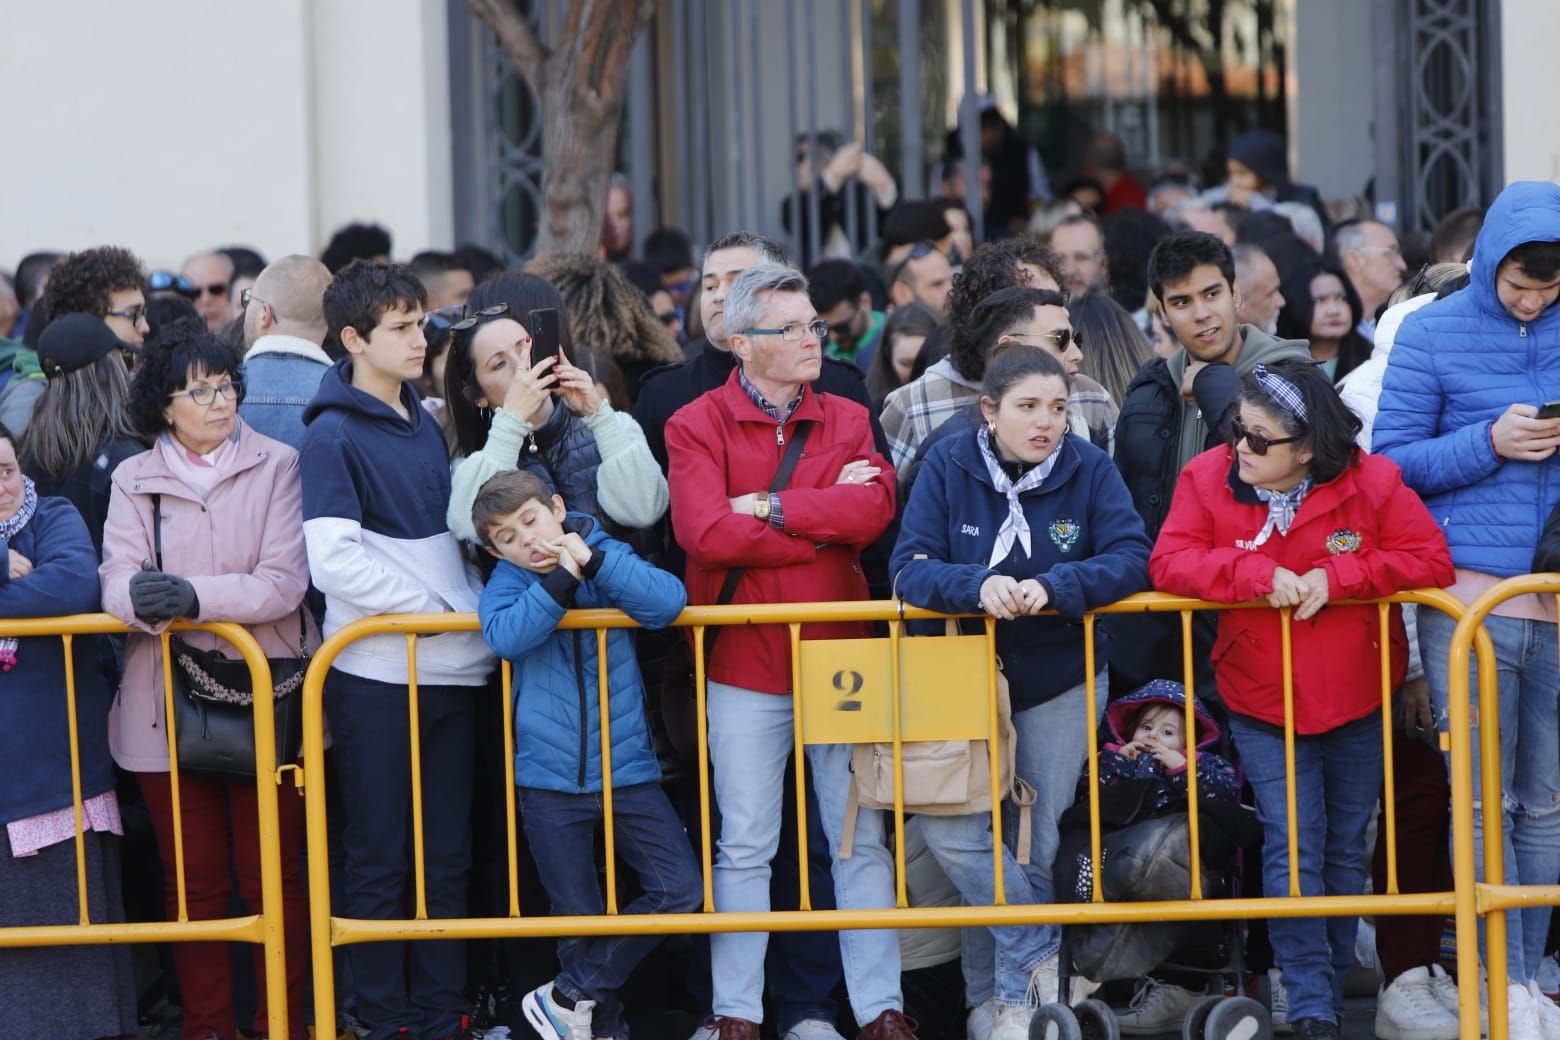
1087,544
375,490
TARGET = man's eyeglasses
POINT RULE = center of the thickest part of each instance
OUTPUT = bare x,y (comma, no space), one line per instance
471,321
134,316
205,395
793,331
249,295
217,289
1060,338
1258,444
668,319
843,328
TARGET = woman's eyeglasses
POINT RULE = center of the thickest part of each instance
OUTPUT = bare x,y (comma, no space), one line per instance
205,395
1258,444
471,321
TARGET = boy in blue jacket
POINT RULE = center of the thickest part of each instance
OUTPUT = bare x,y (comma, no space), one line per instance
553,561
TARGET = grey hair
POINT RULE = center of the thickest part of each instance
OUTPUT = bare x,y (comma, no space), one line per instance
1351,237
769,251
749,294
1305,222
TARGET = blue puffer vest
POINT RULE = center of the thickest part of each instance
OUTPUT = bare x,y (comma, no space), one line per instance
1456,366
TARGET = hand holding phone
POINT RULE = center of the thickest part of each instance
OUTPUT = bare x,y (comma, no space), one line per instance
1549,410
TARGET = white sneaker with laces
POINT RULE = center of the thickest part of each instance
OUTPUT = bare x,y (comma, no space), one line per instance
553,1021
982,1017
1444,985
1278,1000
1522,1014
812,1029
1548,1014
1156,1007
1012,1023
1408,1010
1044,982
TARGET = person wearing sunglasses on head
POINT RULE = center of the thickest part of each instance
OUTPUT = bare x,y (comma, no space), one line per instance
212,274
284,362
1291,511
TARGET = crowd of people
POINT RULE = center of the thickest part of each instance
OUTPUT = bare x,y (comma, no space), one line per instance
1230,394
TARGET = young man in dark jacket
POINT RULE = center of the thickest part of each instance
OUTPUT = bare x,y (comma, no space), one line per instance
1176,408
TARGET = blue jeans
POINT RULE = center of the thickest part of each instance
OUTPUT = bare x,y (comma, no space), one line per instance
750,741
1529,682
420,985
1337,784
1053,744
560,831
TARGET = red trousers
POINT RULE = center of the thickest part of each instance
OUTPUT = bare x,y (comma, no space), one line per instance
221,840
1424,818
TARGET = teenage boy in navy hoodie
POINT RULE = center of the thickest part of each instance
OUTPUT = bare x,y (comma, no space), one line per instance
376,484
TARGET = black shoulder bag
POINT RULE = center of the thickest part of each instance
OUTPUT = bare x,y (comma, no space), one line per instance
213,701
678,680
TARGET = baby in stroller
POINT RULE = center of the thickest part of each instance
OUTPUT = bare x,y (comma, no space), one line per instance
1145,845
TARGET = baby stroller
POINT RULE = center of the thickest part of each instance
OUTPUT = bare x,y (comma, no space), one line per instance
1146,853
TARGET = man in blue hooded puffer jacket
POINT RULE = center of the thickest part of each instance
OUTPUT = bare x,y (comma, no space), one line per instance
1459,413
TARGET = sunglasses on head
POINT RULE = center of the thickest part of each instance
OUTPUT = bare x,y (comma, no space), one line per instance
167,281
1258,444
442,319
471,321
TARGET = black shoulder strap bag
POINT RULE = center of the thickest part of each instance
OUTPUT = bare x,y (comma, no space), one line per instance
678,695
213,701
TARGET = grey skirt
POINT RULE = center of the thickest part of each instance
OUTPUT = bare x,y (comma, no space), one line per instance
64,992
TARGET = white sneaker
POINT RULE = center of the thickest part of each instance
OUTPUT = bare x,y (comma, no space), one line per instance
553,1021
1522,1014
982,1017
812,1029
1548,1014
1012,1023
1044,983
1156,1007
1408,1010
1279,1000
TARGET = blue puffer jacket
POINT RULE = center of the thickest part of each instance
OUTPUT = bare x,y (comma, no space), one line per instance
1456,366
556,695
1086,547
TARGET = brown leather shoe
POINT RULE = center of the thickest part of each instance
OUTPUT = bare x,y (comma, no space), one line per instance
890,1025
734,1028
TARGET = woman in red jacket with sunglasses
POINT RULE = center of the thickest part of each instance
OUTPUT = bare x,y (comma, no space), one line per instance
1292,512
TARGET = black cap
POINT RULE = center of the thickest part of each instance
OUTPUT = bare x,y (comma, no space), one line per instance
915,222
75,341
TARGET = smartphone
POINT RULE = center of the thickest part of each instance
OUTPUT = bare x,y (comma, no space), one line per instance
1550,410
544,325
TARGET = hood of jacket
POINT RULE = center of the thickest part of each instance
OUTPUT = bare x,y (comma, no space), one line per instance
1124,712
336,393
1257,347
21,359
1526,211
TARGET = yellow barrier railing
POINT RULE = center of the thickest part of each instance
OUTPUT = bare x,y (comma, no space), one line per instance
328,931
1491,897
263,928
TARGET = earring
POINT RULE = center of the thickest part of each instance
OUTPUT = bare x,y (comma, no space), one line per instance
991,427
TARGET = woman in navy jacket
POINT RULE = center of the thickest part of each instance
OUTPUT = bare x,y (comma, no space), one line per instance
48,568
1013,518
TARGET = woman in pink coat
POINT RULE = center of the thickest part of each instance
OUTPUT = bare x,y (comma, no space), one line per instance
230,504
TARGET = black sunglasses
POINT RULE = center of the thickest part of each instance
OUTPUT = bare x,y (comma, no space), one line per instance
919,251
471,321
1258,444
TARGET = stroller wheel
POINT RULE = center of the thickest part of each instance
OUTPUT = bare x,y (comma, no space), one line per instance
1197,1017
1238,1018
1054,1022
1096,1021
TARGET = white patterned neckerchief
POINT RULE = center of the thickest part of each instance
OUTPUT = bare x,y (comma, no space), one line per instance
1282,507
1015,527
9,529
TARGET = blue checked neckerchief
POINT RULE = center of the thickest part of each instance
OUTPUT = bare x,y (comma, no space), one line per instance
9,529
1015,526
1282,507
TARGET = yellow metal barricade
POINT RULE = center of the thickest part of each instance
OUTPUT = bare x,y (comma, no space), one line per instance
871,701
265,927
1492,897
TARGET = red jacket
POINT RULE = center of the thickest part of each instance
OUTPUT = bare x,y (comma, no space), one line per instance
1365,529
722,446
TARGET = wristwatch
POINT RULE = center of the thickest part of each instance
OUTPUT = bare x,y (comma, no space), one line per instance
761,507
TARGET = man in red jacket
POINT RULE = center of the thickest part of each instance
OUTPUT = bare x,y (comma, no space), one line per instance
798,543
